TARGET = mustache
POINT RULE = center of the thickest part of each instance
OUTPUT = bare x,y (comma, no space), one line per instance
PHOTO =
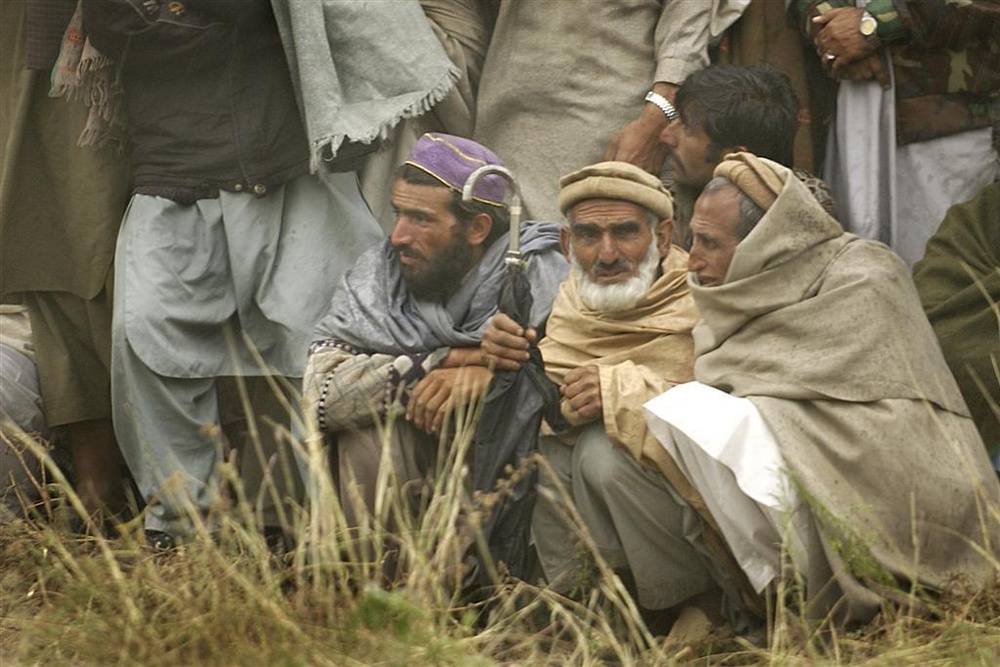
617,266
407,251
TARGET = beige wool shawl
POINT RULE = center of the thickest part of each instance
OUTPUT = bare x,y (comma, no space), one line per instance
640,352
824,333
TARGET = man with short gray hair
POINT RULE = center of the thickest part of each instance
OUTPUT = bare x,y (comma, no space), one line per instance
824,432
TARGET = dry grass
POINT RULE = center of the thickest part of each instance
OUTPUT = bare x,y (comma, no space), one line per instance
224,599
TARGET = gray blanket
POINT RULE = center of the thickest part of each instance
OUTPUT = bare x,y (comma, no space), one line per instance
824,333
373,311
360,67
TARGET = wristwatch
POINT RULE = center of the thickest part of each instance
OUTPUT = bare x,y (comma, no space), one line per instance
869,28
664,105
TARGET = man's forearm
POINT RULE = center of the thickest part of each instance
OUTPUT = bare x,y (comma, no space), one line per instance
346,387
464,356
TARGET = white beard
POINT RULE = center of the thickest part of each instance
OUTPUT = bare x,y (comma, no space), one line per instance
616,297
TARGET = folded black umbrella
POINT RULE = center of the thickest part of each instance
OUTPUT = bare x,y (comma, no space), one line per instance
507,433
512,414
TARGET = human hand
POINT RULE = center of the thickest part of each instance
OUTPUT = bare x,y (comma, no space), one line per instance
840,41
464,356
505,344
441,391
581,389
864,70
639,141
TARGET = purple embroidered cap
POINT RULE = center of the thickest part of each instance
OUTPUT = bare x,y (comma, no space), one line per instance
451,159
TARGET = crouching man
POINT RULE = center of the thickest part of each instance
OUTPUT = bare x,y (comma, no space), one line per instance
824,426
619,334
402,336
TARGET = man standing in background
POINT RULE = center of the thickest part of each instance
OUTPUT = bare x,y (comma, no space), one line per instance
61,203
229,245
567,83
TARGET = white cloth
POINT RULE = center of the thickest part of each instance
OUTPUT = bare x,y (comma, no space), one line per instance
931,177
898,194
722,444
861,159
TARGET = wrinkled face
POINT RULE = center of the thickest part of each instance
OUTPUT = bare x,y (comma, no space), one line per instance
434,253
690,153
713,245
610,238
612,251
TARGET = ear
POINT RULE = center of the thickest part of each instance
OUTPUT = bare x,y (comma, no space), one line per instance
564,240
664,236
477,230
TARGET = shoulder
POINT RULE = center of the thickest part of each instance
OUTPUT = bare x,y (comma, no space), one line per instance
869,268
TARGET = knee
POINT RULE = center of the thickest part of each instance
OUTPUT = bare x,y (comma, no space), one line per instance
599,464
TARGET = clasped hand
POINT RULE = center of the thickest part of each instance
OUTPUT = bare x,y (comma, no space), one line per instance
443,390
843,50
505,347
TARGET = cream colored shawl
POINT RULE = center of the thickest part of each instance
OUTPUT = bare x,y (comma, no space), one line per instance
641,352
823,331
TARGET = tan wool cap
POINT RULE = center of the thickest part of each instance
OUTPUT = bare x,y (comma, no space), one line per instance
615,180
753,176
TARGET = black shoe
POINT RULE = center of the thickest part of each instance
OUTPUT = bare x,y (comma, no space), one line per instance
160,542
278,543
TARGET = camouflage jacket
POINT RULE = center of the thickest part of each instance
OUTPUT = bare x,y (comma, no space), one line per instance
945,57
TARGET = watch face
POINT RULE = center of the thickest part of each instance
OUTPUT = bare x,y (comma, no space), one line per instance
868,25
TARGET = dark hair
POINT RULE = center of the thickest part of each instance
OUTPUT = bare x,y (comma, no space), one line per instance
464,211
754,107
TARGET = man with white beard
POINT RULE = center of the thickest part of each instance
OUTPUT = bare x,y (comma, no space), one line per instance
619,334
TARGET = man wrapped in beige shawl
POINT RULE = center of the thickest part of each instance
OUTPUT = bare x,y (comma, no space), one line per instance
883,484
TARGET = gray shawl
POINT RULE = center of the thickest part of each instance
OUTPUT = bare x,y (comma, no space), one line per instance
373,311
824,333
360,67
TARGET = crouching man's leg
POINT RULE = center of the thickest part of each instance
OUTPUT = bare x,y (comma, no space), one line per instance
410,467
562,558
638,523
359,455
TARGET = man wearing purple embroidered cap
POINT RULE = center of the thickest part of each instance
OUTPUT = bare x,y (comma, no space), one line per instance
402,336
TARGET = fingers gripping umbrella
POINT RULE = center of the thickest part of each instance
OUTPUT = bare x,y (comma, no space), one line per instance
514,407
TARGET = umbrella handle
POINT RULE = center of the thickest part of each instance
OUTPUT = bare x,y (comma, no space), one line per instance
514,206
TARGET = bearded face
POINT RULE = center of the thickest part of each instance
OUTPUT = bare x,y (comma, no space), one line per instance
616,296
435,278
613,253
433,250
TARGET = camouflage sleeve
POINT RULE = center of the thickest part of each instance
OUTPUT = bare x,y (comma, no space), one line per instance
930,24
922,23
